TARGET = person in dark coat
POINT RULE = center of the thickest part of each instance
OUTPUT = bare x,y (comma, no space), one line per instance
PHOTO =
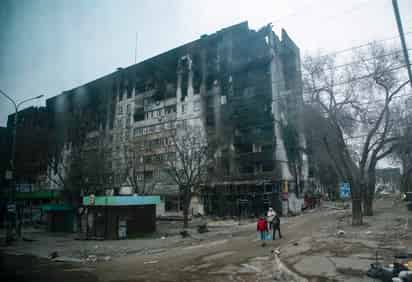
276,226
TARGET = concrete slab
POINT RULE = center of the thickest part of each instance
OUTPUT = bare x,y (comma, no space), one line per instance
316,266
351,263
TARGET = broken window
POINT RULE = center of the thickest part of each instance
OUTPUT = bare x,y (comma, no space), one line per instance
119,123
129,90
196,106
257,148
246,169
267,166
138,131
267,148
121,94
223,100
138,114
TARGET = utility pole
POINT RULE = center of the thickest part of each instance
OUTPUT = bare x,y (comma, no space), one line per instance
12,161
402,36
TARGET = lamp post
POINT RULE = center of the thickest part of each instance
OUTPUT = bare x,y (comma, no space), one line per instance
14,136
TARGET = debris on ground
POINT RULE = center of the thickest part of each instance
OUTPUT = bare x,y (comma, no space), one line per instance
395,270
202,228
68,259
28,239
340,233
53,255
151,262
184,233
107,258
91,258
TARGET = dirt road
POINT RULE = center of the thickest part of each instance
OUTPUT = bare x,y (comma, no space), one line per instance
230,258
236,256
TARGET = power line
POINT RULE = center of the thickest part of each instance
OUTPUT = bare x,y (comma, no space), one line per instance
363,45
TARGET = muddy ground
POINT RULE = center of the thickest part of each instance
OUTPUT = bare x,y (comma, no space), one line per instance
311,247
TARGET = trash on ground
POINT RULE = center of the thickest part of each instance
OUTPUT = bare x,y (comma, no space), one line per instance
53,255
151,262
91,258
68,259
340,233
184,233
202,228
28,239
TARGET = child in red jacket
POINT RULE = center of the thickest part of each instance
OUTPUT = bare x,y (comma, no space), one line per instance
262,228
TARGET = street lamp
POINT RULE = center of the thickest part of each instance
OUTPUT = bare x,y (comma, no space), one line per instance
14,135
16,109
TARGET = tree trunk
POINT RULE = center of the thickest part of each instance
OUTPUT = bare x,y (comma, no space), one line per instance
368,205
185,216
356,194
357,211
369,195
186,204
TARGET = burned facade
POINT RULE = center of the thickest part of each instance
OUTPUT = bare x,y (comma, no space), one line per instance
240,86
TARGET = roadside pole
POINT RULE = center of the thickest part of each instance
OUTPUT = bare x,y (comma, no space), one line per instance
402,36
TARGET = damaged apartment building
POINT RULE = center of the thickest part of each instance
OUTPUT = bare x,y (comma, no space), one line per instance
241,86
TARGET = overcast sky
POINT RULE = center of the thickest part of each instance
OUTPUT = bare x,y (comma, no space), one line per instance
49,46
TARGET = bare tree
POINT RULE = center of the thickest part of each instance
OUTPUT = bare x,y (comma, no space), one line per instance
187,163
358,100
139,165
403,153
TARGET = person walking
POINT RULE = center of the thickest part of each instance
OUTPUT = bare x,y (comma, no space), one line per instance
276,226
270,215
262,228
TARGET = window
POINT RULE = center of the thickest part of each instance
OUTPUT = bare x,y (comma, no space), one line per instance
138,131
196,106
183,108
223,100
119,123
120,109
128,119
257,148
267,166
129,108
172,203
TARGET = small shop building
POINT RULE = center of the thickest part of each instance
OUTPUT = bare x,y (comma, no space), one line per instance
120,217
59,217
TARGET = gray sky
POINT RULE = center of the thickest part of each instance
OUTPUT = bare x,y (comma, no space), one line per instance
48,46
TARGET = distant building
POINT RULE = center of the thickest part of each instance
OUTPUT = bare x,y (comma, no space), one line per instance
31,155
240,86
388,180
